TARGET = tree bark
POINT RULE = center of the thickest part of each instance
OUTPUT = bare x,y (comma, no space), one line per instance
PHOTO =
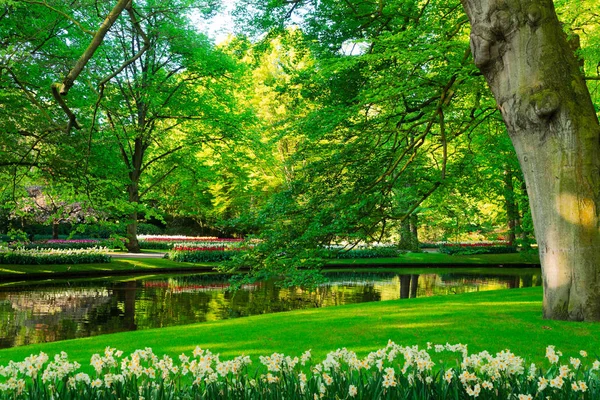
534,75
409,239
512,211
133,191
55,227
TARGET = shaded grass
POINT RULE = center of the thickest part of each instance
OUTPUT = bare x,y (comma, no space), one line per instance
449,260
492,321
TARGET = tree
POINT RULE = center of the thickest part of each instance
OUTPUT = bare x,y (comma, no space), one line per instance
375,144
141,88
166,91
540,90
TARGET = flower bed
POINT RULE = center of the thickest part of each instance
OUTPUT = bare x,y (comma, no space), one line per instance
199,252
42,256
166,242
63,244
393,372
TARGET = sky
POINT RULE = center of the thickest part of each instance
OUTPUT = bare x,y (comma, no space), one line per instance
219,26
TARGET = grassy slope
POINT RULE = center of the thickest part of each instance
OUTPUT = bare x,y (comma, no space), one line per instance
492,320
152,264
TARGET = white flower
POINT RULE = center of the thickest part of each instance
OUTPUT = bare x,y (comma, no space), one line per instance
575,362
96,383
352,391
305,357
542,383
449,375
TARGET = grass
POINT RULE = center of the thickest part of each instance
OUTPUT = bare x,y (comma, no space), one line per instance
448,260
143,265
492,321
117,266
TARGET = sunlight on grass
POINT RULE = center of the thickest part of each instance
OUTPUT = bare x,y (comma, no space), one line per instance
12,271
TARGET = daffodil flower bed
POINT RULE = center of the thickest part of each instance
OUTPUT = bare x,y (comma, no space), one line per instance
55,256
393,372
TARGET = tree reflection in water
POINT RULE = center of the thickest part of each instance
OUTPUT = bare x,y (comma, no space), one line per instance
50,312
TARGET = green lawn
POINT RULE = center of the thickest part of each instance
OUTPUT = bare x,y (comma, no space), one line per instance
149,265
492,320
433,259
116,266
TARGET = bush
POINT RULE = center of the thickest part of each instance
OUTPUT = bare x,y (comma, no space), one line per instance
42,257
202,255
148,229
461,250
101,231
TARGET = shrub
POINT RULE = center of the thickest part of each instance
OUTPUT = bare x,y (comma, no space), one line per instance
369,252
148,229
41,257
194,256
462,250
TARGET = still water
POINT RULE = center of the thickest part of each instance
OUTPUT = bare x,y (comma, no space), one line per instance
35,313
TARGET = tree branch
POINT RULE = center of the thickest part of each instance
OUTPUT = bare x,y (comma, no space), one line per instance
165,154
158,181
63,89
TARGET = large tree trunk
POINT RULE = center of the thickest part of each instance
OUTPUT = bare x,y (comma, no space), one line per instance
521,49
133,191
409,235
510,204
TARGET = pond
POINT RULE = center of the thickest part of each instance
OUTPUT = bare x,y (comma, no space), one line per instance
51,311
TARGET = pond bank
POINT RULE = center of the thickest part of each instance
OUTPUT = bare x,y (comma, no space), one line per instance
143,263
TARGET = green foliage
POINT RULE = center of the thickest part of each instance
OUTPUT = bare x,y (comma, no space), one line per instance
371,252
149,229
17,237
42,257
459,250
202,256
101,230
154,245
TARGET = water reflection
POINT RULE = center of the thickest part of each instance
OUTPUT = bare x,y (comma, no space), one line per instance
50,312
